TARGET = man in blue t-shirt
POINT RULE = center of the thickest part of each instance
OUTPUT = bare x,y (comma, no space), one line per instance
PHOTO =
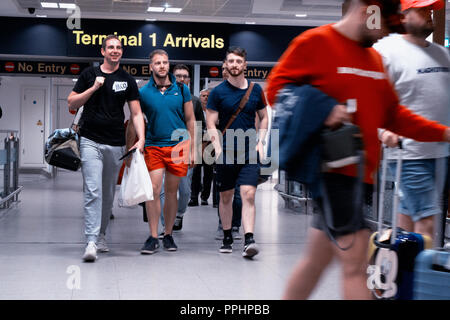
169,144
237,155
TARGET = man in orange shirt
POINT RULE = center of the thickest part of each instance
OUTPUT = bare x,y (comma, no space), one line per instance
337,59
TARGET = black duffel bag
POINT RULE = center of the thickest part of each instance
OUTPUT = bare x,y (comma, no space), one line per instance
62,149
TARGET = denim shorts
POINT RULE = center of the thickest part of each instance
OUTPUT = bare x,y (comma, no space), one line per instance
421,186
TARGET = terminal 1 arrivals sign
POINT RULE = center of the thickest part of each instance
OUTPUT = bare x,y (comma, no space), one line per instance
183,41
192,41
42,67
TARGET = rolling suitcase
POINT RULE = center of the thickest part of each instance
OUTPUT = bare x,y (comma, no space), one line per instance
432,268
432,275
392,252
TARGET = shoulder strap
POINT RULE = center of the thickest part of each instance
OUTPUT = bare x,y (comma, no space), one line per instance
181,86
241,106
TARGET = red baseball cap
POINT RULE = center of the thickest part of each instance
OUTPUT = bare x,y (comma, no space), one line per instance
435,4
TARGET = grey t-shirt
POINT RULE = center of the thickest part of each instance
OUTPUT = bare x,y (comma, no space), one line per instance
421,77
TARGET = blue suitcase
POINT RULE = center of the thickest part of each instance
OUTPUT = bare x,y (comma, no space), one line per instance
392,253
432,275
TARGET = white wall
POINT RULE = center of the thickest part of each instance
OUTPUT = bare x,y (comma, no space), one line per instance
11,90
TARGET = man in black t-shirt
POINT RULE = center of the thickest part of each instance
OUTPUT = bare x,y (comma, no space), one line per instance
103,91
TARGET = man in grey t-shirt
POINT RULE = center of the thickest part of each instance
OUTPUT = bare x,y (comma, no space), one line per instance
420,71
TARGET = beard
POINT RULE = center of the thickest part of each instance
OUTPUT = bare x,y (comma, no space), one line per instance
420,31
367,42
161,74
235,72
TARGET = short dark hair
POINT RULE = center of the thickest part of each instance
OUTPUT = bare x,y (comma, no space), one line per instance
157,51
180,66
237,51
109,37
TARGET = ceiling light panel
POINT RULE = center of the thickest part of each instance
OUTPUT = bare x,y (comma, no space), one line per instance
49,5
173,10
67,5
155,9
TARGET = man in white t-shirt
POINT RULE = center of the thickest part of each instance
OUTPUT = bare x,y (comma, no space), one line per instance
420,72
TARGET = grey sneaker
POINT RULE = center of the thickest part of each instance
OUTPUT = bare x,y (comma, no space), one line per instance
101,244
178,224
219,233
150,246
90,253
235,233
250,250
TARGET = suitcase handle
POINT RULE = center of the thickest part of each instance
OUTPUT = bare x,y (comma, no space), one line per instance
379,244
396,192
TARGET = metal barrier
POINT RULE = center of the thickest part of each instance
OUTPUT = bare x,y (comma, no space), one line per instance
9,159
295,195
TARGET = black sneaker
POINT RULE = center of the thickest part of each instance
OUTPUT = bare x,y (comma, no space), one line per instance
227,246
150,246
204,202
193,203
169,244
250,249
178,224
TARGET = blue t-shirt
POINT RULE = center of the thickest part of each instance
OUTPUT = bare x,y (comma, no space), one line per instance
225,99
165,113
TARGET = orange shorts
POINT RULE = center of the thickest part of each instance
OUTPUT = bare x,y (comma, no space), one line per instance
175,158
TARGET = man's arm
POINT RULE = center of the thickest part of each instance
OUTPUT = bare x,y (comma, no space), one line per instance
76,100
262,131
138,125
190,123
293,66
212,117
405,123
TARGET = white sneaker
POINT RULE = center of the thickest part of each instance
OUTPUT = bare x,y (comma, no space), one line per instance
90,253
101,244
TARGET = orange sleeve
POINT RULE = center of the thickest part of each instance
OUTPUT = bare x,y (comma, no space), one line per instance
404,122
294,66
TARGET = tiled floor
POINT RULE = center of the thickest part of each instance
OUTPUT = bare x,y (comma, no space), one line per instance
42,241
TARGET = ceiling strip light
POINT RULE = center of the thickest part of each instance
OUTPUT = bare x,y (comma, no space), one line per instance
173,10
67,5
49,5
155,9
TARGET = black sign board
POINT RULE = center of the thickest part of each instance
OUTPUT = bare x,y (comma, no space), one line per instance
252,72
184,41
42,67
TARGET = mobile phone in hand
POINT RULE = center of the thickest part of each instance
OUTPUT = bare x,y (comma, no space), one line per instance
129,153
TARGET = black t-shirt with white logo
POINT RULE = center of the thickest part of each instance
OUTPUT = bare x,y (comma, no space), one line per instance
103,117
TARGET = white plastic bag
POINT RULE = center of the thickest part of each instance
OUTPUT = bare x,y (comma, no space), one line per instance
136,186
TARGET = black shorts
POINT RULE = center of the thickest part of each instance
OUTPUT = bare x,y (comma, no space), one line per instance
341,193
228,176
